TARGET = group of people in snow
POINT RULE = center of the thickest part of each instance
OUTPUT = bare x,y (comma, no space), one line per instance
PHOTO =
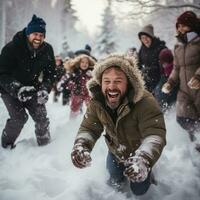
126,95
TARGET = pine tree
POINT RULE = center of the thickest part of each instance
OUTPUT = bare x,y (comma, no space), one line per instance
106,43
68,20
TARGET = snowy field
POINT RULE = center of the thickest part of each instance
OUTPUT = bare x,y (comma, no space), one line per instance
29,172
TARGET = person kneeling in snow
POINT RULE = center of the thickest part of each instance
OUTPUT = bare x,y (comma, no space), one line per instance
27,73
134,125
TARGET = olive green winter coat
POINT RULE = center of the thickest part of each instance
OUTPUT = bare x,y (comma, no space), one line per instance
140,123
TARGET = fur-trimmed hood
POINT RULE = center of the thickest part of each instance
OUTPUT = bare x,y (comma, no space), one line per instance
74,62
129,65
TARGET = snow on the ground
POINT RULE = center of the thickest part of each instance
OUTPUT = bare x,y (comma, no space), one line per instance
29,172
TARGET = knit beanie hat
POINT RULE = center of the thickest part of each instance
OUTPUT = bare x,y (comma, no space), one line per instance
147,30
190,19
36,25
166,56
88,47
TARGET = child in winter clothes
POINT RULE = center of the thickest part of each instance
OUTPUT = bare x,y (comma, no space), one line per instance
79,72
166,61
186,73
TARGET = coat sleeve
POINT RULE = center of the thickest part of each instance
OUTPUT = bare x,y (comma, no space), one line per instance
91,128
140,62
152,129
7,63
49,73
173,79
197,73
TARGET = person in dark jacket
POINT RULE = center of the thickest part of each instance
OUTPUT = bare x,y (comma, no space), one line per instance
149,57
166,61
131,118
60,71
27,72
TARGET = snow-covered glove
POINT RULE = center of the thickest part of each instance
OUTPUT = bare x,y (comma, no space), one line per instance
26,93
42,96
137,168
80,154
166,88
59,86
89,73
194,83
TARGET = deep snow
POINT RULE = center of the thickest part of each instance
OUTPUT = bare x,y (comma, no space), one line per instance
29,172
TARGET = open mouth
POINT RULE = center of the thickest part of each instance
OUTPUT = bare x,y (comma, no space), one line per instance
113,94
36,42
113,98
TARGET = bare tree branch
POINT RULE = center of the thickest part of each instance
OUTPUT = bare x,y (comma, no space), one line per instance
154,4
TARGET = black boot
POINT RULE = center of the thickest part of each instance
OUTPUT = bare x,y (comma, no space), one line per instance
5,143
191,136
43,140
197,147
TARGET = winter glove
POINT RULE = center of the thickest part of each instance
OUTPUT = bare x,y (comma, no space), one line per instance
137,168
63,81
42,96
59,86
26,93
166,88
89,73
194,83
80,154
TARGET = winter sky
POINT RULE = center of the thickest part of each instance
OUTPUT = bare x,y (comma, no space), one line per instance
90,12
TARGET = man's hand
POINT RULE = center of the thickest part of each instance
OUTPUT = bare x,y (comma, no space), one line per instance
166,88
194,83
80,155
26,93
137,168
42,96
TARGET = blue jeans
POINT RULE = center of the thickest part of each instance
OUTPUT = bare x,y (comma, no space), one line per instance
117,177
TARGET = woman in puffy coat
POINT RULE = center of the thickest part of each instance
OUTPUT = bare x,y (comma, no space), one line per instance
186,73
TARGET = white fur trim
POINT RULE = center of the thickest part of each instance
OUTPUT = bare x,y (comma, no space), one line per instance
129,65
71,63
150,144
85,135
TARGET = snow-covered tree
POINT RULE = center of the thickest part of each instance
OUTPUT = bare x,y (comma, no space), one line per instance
68,21
14,19
106,39
2,23
145,7
143,12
